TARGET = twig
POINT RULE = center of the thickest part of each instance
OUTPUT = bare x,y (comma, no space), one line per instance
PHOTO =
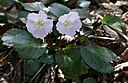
8,54
14,77
99,37
121,66
37,73
23,72
120,33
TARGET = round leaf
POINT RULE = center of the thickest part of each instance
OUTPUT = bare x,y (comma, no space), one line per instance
27,46
70,63
31,67
97,58
58,9
82,13
36,6
89,80
113,21
47,59
83,3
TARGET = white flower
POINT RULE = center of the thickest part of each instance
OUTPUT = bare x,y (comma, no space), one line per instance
38,24
69,23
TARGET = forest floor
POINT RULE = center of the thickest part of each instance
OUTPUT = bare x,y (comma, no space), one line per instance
11,66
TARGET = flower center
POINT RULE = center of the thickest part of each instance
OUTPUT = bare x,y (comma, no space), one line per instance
67,23
40,22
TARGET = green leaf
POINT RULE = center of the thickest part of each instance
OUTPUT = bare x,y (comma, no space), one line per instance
89,80
55,32
1,3
97,58
31,67
2,18
112,56
6,3
9,2
113,21
83,3
47,59
58,9
30,52
23,14
82,13
36,6
25,44
69,61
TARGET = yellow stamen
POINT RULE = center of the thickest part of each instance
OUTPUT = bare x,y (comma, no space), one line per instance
67,23
40,22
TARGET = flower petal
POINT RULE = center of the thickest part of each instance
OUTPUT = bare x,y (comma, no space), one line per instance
39,33
42,14
31,27
65,30
73,16
33,16
63,18
61,28
70,32
48,25
41,29
77,25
